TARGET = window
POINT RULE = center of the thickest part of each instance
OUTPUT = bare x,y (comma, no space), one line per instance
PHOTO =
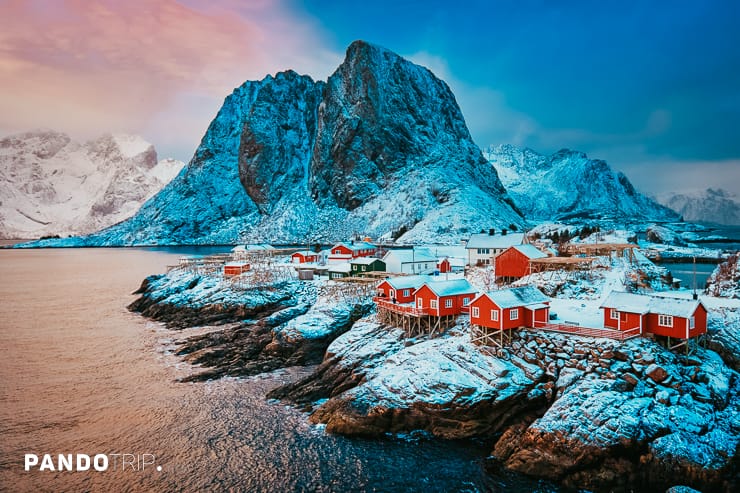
514,314
392,293
476,312
483,251
613,314
466,301
692,323
364,268
433,304
665,320
419,303
406,293
494,315
448,303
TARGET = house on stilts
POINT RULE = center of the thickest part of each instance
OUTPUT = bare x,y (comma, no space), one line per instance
495,313
422,306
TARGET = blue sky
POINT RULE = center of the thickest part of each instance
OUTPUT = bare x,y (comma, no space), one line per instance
650,86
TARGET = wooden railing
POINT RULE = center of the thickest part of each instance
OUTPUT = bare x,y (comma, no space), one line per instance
403,308
620,335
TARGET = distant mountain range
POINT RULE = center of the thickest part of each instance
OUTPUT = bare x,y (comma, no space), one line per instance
52,185
381,148
710,205
570,185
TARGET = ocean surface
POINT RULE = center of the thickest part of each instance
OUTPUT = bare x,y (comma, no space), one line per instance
81,375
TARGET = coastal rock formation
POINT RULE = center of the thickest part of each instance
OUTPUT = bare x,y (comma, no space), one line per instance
380,148
286,324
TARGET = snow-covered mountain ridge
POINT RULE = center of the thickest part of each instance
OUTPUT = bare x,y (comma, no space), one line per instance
710,205
568,185
380,148
52,185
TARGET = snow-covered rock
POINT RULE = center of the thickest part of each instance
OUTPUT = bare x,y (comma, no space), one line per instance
380,148
52,185
710,205
725,280
568,185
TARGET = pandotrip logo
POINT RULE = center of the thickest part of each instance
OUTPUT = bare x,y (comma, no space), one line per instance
86,462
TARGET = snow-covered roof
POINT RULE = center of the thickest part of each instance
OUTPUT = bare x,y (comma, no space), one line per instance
357,245
306,253
513,297
483,240
236,264
364,260
414,255
343,267
530,251
406,282
641,303
451,288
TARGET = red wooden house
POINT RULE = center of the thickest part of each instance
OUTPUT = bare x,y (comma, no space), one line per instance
445,298
513,263
343,252
510,308
678,318
236,268
444,266
400,289
304,256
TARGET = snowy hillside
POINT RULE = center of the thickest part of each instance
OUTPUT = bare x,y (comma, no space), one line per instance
381,148
568,185
710,205
52,185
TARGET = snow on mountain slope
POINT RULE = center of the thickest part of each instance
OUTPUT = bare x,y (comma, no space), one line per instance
710,205
568,184
52,185
381,148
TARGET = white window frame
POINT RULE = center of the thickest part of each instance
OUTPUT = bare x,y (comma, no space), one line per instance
466,301
406,293
494,315
613,314
476,312
419,302
448,303
364,268
665,320
433,304
692,323
514,314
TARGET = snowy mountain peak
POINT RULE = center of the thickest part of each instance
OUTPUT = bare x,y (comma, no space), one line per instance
567,184
52,185
710,205
380,148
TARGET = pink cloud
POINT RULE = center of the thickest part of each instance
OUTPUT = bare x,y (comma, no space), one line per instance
90,67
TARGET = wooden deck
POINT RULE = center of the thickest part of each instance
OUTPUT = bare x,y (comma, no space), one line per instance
619,335
401,308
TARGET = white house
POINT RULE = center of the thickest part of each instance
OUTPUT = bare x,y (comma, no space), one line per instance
481,248
410,261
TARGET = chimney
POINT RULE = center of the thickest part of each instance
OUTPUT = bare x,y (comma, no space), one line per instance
491,232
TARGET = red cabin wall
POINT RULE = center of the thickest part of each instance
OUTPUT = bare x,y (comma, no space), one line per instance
484,305
628,320
426,294
512,263
444,266
341,250
541,316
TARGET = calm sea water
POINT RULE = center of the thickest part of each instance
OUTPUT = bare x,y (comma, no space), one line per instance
80,374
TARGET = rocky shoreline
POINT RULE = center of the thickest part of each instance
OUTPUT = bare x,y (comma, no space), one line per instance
585,413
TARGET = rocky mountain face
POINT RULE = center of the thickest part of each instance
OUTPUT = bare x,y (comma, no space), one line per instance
381,148
52,185
711,205
568,185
